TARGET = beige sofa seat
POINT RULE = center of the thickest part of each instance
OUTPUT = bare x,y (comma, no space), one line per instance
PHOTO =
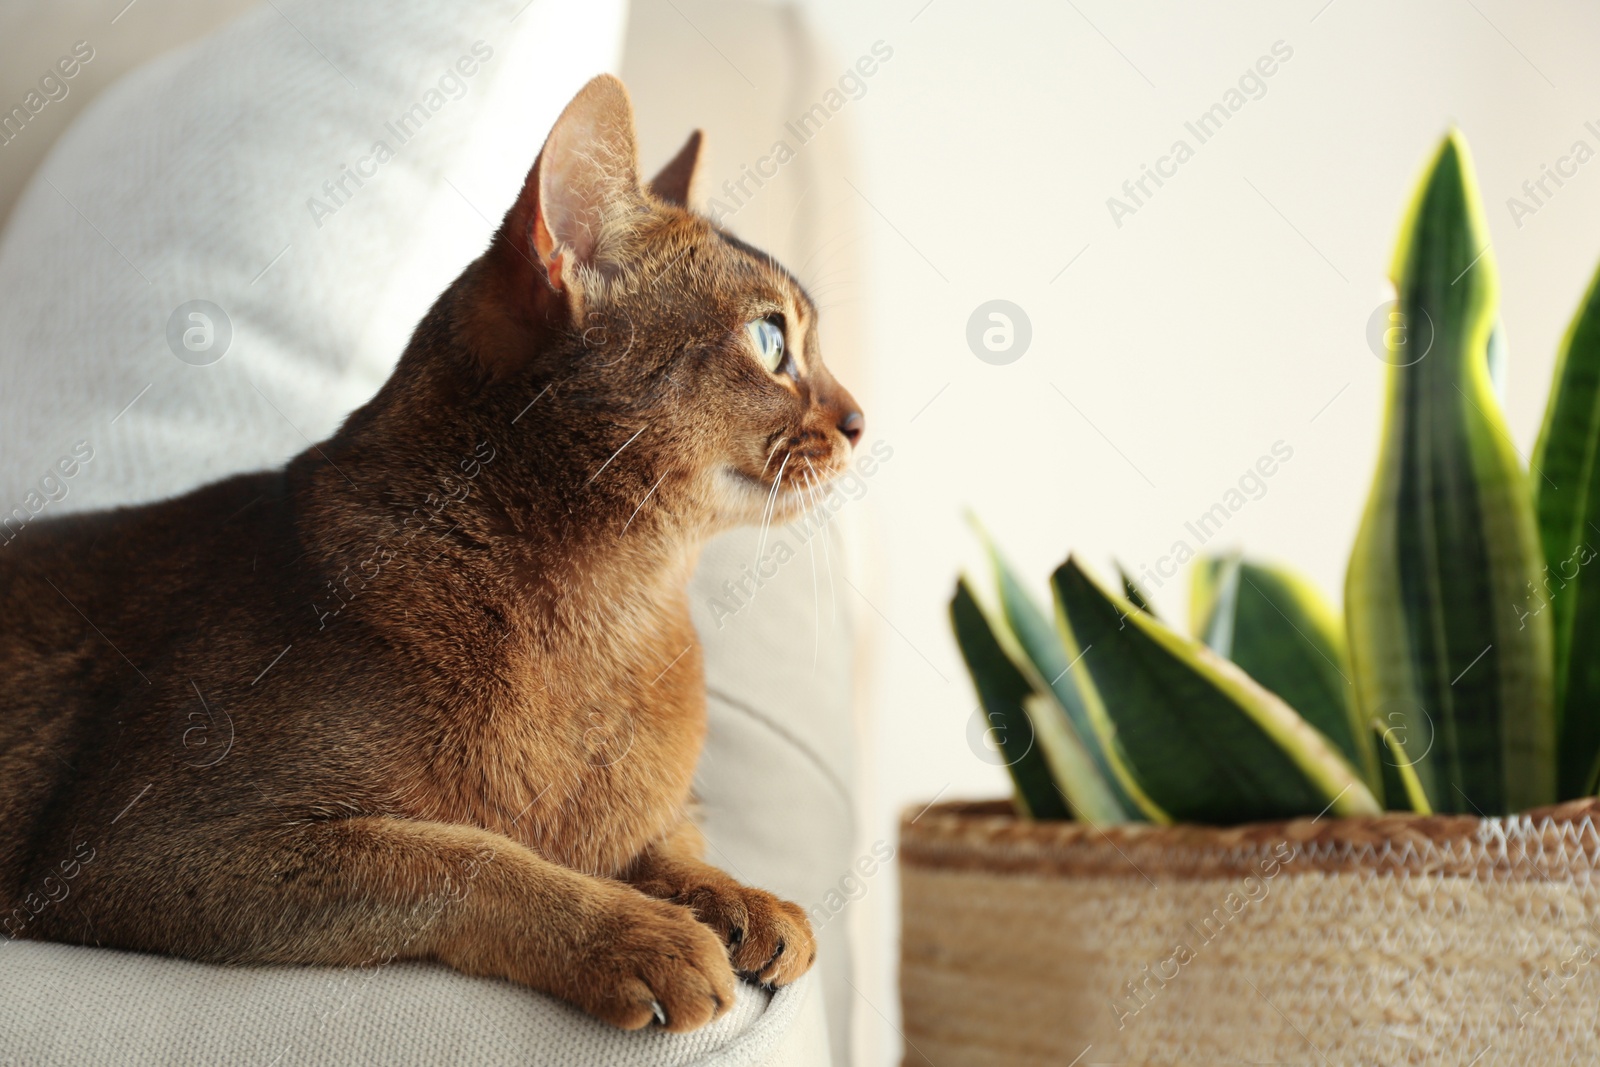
61,1004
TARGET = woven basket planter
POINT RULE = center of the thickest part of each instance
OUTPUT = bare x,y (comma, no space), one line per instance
1388,940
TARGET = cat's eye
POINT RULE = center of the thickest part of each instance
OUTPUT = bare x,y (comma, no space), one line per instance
766,334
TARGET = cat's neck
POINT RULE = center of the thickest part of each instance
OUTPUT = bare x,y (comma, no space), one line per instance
502,536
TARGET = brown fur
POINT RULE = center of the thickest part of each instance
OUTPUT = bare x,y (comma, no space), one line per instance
432,691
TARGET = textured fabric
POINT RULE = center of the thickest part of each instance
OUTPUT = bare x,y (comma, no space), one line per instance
205,175
64,1006
1401,939
194,180
34,38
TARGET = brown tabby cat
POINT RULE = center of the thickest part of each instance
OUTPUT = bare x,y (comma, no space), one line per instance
432,692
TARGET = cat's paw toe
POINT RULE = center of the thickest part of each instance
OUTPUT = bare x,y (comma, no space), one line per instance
777,945
657,964
721,907
769,939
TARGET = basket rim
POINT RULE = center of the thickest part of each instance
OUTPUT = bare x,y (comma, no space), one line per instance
1550,843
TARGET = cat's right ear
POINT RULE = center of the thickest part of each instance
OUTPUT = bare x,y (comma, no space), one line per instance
676,181
573,214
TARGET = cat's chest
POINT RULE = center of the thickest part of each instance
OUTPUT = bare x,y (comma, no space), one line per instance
587,758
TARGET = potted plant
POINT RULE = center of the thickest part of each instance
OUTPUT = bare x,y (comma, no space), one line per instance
1287,836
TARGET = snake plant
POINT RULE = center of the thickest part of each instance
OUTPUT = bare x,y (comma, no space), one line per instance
1566,496
1468,654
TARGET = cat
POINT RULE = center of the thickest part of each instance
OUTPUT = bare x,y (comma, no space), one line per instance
432,691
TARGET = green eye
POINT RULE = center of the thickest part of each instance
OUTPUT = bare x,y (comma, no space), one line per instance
767,337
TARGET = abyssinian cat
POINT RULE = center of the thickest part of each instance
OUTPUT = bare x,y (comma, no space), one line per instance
432,691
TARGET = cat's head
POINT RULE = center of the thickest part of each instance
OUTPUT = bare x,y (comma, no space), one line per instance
636,352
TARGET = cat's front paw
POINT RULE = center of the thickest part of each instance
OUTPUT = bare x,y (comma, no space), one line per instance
769,939
653,961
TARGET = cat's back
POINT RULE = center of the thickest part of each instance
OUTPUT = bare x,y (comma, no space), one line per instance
86,599
90,606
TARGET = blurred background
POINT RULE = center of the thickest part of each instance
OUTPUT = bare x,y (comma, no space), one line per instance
1163,335
1174,345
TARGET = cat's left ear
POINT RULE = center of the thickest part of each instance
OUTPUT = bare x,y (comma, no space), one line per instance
575,209
677,181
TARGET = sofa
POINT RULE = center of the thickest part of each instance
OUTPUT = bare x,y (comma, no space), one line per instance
193,156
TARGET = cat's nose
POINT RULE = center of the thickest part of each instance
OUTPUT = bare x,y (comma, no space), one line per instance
852,425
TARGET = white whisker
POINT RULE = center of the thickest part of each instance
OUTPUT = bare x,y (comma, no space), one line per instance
789,226
826,531
827,554
771,509
617,453
642,503
823,532
770,454
816,606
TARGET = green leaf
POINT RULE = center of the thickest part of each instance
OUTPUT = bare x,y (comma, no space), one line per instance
1204,741
1077,779
1043,731
1281,631
1447,544
1402,790
1044,659
1203,593
1135,595
1566,496
1002,691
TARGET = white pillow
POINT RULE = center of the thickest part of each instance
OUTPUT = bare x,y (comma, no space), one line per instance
206,176
38,37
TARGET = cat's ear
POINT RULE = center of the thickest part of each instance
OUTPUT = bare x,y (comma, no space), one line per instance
584,187
677,181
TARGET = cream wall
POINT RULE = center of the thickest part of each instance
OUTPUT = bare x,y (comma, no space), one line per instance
1225,315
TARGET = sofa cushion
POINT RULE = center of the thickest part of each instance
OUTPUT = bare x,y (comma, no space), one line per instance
60,55
315,172
65,1005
